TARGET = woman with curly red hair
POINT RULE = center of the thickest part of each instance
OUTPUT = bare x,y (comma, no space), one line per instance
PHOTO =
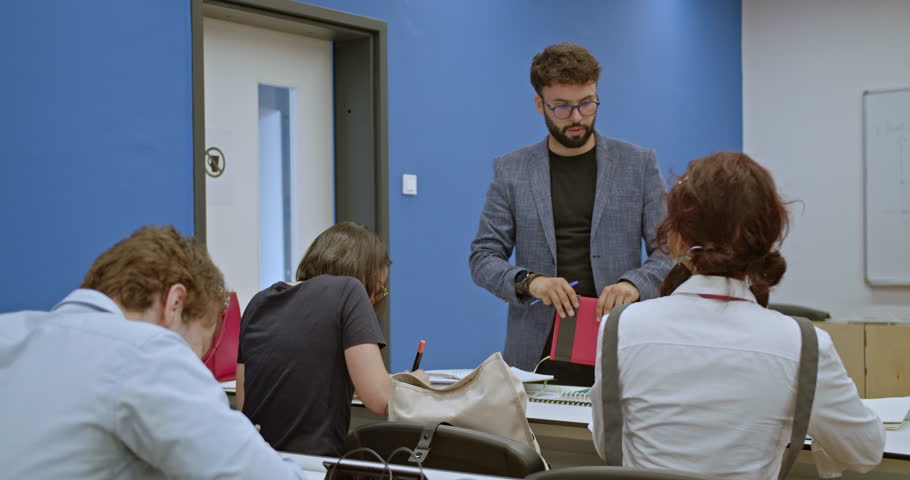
707,378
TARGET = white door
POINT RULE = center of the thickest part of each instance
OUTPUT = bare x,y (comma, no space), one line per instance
268,138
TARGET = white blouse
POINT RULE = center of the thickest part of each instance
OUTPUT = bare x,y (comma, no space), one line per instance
708,386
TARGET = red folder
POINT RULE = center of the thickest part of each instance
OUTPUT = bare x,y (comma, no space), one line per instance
222,355
575,338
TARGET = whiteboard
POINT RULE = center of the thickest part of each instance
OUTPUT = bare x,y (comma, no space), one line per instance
886,167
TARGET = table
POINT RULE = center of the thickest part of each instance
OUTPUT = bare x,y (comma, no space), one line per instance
565,440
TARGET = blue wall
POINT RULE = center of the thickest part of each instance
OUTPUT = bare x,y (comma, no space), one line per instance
98,129
95,132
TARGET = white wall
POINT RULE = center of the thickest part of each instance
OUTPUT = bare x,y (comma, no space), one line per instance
805,66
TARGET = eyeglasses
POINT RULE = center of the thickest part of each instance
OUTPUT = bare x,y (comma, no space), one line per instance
564,111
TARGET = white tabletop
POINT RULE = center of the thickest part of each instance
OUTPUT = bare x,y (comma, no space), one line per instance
897,443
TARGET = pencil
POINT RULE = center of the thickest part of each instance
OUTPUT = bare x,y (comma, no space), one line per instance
420,346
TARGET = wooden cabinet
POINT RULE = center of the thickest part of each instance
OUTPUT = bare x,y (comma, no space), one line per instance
887,360
876,356
849,341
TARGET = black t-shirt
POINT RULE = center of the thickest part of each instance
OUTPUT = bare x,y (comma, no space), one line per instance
572,184
292,343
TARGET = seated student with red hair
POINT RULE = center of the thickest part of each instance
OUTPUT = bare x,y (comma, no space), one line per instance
707,376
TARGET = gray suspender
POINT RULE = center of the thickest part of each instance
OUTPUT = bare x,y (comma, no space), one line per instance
805,393
612,412
609,373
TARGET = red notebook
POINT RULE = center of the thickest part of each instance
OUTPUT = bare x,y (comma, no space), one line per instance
575,338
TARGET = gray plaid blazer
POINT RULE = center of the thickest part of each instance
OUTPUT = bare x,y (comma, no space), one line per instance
518,215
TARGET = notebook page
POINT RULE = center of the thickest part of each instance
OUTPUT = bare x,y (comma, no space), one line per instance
891,410
449,376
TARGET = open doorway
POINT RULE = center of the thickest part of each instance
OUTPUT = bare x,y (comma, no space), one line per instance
278,158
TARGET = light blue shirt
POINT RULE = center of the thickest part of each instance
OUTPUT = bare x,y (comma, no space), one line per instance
88,394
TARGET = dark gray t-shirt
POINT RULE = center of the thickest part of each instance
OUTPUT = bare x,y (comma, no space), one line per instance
292,343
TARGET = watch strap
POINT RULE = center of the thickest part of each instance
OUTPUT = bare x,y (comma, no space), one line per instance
523,287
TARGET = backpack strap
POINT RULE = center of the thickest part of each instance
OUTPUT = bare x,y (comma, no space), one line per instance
609,371
420,452
805,393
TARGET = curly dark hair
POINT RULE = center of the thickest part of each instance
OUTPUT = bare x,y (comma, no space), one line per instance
727,204
564,63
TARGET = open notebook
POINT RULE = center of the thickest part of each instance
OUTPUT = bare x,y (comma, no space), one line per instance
445,377
892,411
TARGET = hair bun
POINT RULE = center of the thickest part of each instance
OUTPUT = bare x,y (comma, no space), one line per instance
765,272
773,267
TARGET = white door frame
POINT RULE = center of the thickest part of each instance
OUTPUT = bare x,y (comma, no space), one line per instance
360,101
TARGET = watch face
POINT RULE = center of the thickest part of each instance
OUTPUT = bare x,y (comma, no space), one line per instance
521,276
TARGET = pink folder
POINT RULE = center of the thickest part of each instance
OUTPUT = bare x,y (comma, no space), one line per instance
222,355
575,338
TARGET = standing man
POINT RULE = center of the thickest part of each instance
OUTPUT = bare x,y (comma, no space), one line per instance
574,207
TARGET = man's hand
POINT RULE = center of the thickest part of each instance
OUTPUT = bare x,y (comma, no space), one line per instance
555,291
616,294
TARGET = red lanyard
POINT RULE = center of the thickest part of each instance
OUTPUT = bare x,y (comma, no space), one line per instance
722,297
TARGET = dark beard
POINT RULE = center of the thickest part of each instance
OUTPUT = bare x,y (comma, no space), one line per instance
565,140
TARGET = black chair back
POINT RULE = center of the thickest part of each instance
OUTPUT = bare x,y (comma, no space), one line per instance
451,448
800,311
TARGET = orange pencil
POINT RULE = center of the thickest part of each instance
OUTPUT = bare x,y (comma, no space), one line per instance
420,346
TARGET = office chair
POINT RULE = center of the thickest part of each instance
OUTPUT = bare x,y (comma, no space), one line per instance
450,448
800,311
616,473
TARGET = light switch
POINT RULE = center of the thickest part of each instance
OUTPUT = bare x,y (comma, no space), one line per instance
409,184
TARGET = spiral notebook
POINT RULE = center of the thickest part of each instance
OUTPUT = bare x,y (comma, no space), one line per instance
560,395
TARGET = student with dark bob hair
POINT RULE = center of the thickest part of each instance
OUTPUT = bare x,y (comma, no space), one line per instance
306,346
707,376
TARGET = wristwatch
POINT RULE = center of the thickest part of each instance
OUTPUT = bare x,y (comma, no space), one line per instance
523,281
